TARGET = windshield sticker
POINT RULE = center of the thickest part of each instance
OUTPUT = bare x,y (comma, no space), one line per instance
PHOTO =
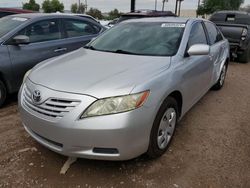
172,25
20,19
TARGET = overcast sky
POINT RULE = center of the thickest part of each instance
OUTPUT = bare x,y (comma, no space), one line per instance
107,5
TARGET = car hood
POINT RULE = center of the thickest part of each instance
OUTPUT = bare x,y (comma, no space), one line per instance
95,73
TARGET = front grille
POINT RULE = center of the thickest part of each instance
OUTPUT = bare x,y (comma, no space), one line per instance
52,107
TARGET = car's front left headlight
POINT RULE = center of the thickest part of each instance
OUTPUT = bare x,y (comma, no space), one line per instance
114,105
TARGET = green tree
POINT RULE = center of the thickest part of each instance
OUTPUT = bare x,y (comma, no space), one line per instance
95,13
81,8
52,6
74,8
114,14
210,6
31,5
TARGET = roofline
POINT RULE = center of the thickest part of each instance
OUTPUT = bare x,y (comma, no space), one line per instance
16,10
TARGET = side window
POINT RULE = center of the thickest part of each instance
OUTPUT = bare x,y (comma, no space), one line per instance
219,35
41,31
197,35
76,28
213,33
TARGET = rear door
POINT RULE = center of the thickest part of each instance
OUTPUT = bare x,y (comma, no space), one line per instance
78,32
217,49
45,42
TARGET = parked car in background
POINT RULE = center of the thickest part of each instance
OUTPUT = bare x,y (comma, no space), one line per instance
27,39
112,23
235,25
80,15
123,94
144,14
10,11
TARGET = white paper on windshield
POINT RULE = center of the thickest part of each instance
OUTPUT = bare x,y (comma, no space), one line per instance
19,19
172,25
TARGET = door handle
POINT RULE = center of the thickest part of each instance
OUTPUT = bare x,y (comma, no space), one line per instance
211,57
60,50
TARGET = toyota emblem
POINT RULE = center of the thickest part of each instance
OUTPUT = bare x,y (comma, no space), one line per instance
36,96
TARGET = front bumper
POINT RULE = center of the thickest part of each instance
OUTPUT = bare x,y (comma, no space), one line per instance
112,137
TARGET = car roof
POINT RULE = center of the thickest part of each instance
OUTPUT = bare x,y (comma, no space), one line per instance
46,15
149,13
15,10
163,19
231,12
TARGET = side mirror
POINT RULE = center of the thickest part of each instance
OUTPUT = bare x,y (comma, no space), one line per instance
21,39
199,49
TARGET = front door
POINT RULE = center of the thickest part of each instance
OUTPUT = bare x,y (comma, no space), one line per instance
45,42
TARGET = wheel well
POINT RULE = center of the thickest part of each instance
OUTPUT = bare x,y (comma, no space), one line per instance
178,97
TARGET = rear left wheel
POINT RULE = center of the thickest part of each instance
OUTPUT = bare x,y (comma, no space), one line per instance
3,93
219,84
163,128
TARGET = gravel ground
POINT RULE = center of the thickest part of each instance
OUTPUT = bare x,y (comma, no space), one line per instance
211,148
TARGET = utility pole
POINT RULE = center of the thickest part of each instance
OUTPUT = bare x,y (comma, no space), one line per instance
155,4
179,12
163,4
79,4
132,8
86,5
199,2
176,6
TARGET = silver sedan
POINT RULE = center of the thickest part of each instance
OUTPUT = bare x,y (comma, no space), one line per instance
123,94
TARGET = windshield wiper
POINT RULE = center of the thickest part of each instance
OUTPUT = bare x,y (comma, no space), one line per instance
89,47
125,52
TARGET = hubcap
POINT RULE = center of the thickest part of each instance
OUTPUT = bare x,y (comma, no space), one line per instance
223,75
166,128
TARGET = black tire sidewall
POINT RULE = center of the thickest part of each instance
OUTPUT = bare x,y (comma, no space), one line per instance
153,150
244,58
3,93
218,86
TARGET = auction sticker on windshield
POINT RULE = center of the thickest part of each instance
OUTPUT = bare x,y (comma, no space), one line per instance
20,19
172,25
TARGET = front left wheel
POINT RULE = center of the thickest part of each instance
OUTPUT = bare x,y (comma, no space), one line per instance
163,128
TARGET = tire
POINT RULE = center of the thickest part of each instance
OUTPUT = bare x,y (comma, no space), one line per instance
219,84
244,58
159,140
3,93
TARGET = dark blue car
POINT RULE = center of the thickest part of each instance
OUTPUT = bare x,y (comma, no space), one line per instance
27,39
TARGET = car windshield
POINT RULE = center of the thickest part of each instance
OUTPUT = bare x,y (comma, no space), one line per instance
141,38
9,23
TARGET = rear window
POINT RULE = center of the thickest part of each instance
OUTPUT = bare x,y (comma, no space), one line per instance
234,18
3,14
230,18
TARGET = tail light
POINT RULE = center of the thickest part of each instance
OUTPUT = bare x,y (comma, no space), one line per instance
244,34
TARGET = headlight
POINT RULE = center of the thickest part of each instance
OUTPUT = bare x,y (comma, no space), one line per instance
115,105
26,75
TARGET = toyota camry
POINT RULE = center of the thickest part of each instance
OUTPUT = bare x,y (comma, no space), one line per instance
123,94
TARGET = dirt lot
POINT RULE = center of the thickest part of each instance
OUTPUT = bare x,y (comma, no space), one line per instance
211,149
